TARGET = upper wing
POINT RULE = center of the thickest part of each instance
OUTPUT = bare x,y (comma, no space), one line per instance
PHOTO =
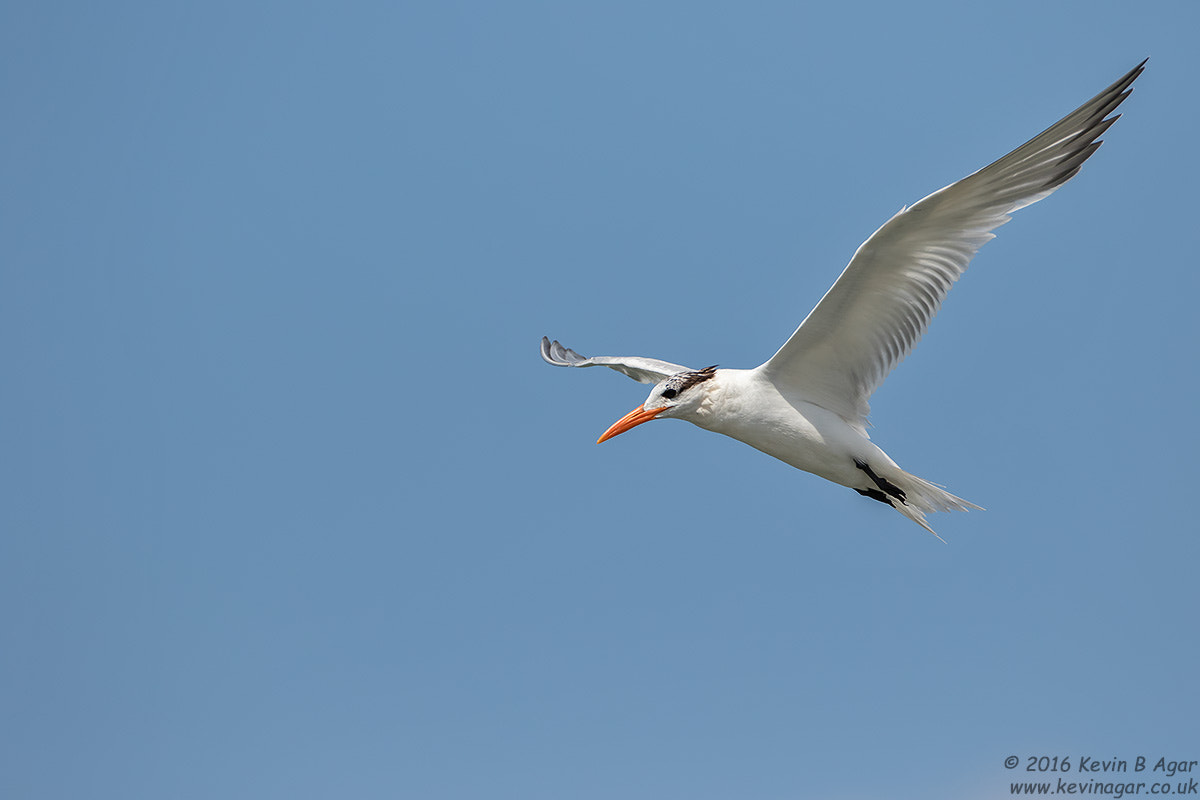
885,299
642,370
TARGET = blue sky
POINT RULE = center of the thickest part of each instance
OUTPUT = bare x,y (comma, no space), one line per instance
294,509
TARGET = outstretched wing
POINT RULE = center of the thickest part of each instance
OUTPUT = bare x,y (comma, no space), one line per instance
885,299
642,370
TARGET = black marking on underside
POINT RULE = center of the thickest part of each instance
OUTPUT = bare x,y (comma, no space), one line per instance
886,486
874,494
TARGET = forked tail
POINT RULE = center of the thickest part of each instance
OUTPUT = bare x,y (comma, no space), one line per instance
922,497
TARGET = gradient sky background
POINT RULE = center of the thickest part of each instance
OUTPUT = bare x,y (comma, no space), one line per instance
293,509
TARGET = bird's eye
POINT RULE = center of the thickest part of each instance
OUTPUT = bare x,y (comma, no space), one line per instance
669,393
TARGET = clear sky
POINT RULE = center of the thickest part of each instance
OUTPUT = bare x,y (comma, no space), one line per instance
293,509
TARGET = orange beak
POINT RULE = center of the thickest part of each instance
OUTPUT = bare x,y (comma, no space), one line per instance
630,420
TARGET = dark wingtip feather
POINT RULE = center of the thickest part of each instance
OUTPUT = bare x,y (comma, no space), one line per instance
559,356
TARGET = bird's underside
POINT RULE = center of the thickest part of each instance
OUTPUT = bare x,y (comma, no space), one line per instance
808,404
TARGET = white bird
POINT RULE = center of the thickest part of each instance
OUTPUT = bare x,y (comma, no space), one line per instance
808,404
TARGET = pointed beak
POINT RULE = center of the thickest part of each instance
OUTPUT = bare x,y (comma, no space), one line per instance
630,420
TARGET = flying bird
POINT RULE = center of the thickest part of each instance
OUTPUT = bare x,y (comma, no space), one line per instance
807,405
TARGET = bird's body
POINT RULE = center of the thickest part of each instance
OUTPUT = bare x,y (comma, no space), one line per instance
749,407
807,405
741,404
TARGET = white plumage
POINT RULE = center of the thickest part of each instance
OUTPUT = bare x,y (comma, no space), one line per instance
808,404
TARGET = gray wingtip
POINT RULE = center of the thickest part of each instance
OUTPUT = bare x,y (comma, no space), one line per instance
546,350
555,354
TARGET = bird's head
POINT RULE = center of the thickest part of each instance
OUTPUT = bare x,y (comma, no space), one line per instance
677,396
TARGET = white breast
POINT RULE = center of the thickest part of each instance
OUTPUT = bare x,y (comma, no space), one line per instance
745,406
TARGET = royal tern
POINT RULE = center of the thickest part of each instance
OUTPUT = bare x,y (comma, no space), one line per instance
808,404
